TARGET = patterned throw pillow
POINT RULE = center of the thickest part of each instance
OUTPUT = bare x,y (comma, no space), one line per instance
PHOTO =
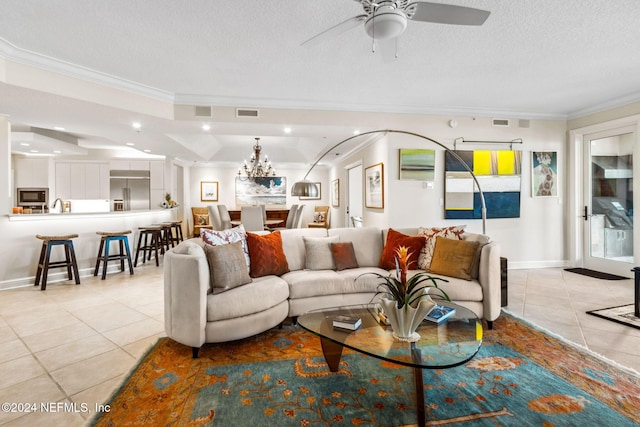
224,237
267,255
395,239
318,217
227,266
202,219
453,232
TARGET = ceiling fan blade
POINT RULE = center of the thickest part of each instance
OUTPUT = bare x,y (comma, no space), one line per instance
334,31
446,13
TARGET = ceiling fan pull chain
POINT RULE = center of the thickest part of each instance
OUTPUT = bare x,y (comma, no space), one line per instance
373,45
397,43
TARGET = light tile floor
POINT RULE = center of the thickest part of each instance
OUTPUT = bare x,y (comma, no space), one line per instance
75,344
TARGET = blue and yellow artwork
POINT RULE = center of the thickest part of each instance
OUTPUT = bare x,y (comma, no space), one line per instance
499,175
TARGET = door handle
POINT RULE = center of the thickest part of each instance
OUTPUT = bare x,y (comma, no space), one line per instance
586,213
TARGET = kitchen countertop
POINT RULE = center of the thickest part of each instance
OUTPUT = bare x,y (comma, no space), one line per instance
71,215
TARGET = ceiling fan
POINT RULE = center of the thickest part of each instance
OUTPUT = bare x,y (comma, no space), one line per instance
386,19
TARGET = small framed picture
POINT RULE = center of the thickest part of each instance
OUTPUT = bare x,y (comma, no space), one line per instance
544,174
374,186
335,193
318,197
417,164
208,191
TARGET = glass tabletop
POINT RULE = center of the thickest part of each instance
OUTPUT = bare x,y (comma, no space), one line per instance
444,345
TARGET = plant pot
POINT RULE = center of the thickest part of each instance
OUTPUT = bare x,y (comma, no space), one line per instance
404,321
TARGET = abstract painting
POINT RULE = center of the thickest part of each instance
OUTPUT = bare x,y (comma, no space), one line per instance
499,175
417,164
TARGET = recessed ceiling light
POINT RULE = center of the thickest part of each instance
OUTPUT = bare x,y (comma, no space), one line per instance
57,151
147,151
206,127
356,132
130,144
24,144
33,151
287,130
136,125
58,128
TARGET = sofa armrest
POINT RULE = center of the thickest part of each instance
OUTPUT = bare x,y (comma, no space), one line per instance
489,278
186,283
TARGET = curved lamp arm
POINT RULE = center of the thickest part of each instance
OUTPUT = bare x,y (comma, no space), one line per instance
307,188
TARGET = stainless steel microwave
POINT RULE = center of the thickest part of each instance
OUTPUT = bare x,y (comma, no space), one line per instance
32,196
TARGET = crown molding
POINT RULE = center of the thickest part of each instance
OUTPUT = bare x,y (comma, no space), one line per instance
13,53
609,105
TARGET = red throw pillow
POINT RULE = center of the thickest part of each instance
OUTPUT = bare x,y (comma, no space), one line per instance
267,255
396,239
343,255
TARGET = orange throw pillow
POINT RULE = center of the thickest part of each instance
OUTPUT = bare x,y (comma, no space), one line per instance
395,239
266,254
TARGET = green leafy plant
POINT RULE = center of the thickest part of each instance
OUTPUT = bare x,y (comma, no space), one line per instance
407,292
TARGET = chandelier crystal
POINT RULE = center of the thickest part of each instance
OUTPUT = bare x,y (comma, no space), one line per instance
256,168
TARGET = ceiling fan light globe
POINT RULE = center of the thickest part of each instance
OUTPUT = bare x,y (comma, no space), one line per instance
387,24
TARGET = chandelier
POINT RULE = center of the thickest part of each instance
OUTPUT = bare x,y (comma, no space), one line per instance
256,168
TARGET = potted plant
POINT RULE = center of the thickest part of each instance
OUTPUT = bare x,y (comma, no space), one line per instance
407,302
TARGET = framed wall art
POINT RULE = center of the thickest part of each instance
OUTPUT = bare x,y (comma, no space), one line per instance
208,191
318,197
268,191
374,186
335,193
417,164
544,174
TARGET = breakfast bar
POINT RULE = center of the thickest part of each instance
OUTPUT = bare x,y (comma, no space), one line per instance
20,257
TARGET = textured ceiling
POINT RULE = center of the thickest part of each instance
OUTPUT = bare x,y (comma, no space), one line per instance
531,59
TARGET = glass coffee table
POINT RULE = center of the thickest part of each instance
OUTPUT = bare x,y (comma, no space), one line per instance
445,345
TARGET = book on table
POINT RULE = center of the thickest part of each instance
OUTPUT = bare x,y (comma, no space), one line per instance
350,323
439,313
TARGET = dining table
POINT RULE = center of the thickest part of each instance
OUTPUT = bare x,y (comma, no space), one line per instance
267,222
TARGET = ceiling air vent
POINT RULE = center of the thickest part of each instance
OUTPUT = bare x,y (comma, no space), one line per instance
203,111
246,112
500,122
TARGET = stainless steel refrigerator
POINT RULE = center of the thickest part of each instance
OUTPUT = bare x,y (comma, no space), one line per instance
132,187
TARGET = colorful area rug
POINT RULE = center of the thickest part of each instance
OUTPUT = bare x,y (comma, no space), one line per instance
521,377
624,314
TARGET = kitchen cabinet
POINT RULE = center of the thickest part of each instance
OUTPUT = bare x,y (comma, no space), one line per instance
81,181
156,178
30,172
125,165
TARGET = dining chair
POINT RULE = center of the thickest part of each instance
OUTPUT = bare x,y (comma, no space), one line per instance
356,221
251,218
298,219
225,217
291,217
214,217
201,219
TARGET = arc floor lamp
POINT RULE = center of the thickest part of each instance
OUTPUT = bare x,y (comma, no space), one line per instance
306,188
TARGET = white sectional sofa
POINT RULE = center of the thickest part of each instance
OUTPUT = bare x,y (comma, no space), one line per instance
194,315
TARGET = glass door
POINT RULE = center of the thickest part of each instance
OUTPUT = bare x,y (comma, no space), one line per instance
608,210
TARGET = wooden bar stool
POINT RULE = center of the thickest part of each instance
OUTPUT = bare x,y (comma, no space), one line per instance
155,233
44,264
165,235
125,253
177,229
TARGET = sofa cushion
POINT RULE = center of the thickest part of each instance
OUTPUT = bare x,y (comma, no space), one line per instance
454,258
367,243
224,237
259,295
227,266
395,240
482,240
311,283
453,232
293,245
267,256
318,255
344,257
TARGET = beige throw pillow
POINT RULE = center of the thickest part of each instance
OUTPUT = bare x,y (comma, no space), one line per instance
227,266
318,253
453,258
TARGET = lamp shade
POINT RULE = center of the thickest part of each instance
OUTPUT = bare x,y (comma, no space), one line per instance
304,188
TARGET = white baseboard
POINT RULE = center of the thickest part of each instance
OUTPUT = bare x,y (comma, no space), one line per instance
522,265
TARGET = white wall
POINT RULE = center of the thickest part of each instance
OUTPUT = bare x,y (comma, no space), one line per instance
536,239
